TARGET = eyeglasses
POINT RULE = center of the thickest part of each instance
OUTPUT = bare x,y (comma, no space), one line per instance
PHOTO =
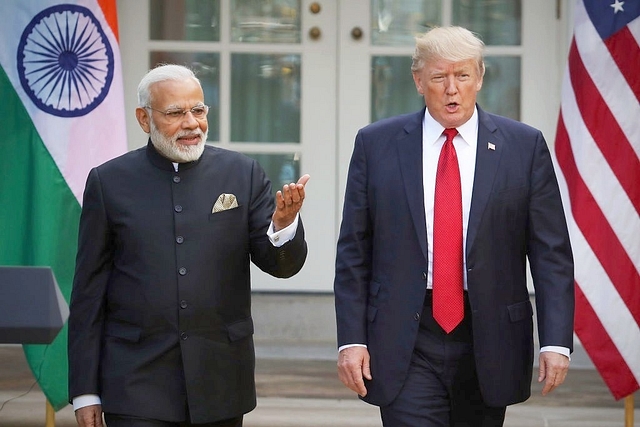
173,115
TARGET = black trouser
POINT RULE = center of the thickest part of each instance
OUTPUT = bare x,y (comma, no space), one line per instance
115,420
441,389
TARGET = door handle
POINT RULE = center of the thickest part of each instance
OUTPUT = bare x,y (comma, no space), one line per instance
315,33
356,33
315,7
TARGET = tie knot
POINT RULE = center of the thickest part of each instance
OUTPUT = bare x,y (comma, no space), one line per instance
450,133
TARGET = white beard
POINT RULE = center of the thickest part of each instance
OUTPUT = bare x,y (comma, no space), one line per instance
169,147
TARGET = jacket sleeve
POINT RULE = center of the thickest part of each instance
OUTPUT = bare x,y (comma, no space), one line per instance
550,255
94,261
353,257
286,260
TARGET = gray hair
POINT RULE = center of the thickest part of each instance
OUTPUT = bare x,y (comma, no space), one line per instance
161,73
449,43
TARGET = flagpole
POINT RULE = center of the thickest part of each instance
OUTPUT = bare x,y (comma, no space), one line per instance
50,417
628,411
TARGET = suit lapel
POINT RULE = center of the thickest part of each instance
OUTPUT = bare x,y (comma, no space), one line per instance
487,161
410,157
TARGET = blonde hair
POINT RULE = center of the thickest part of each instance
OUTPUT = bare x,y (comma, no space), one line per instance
449,43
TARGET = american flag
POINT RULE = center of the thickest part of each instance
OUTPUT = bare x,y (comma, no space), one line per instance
597,151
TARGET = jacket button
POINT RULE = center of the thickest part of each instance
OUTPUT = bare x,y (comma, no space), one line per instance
179,239
183,336
177,208
176,179
183,304
416,316
424,275
182,271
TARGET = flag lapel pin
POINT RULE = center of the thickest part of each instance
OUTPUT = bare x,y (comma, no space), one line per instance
491,146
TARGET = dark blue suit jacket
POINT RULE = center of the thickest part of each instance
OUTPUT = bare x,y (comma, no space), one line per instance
516,212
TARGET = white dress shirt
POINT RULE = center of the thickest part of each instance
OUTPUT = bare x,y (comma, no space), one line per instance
465,145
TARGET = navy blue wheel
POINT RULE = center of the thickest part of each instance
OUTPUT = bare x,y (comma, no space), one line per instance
65,61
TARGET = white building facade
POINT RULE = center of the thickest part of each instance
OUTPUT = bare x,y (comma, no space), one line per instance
290,82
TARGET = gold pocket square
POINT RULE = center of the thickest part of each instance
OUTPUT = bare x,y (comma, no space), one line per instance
225,201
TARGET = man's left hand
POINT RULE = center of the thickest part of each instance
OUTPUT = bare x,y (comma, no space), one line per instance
553,370
288,203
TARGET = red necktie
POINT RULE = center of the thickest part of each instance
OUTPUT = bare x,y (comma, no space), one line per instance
448,305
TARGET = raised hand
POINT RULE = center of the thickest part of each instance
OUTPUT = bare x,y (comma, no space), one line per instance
288,203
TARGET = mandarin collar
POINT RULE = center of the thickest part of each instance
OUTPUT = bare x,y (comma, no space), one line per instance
161,162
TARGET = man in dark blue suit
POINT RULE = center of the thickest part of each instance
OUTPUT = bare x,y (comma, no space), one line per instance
414,251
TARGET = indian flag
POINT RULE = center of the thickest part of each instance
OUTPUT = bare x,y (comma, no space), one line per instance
61,113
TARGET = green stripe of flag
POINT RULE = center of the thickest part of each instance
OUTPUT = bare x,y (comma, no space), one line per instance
39,217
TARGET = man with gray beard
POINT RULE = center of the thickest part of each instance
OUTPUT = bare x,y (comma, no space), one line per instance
160,327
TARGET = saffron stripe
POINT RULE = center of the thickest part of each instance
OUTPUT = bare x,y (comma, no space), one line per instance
111,15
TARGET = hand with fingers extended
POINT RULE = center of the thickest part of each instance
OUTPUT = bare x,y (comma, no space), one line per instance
288,203
354,367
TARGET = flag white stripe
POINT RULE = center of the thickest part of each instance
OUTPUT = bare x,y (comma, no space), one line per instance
78,143
600,292
604,186
612,85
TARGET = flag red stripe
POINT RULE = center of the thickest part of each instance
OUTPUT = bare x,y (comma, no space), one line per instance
625,52
595,227
611,140
602,350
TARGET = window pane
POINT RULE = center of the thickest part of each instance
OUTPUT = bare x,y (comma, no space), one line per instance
259,21
393,91
498,22
280,168
265,98
196,20
500,92
206,66
396,22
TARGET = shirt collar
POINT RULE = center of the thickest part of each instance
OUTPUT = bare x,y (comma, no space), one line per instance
432,130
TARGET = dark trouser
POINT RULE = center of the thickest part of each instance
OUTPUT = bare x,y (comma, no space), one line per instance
441,389
115,420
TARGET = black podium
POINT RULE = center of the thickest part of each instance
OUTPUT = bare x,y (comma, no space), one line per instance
32,308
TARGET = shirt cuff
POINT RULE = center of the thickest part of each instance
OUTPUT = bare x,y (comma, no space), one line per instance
279,238
86,400
556,349
342,347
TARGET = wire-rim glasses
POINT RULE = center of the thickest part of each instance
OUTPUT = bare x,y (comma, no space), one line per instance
172,115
